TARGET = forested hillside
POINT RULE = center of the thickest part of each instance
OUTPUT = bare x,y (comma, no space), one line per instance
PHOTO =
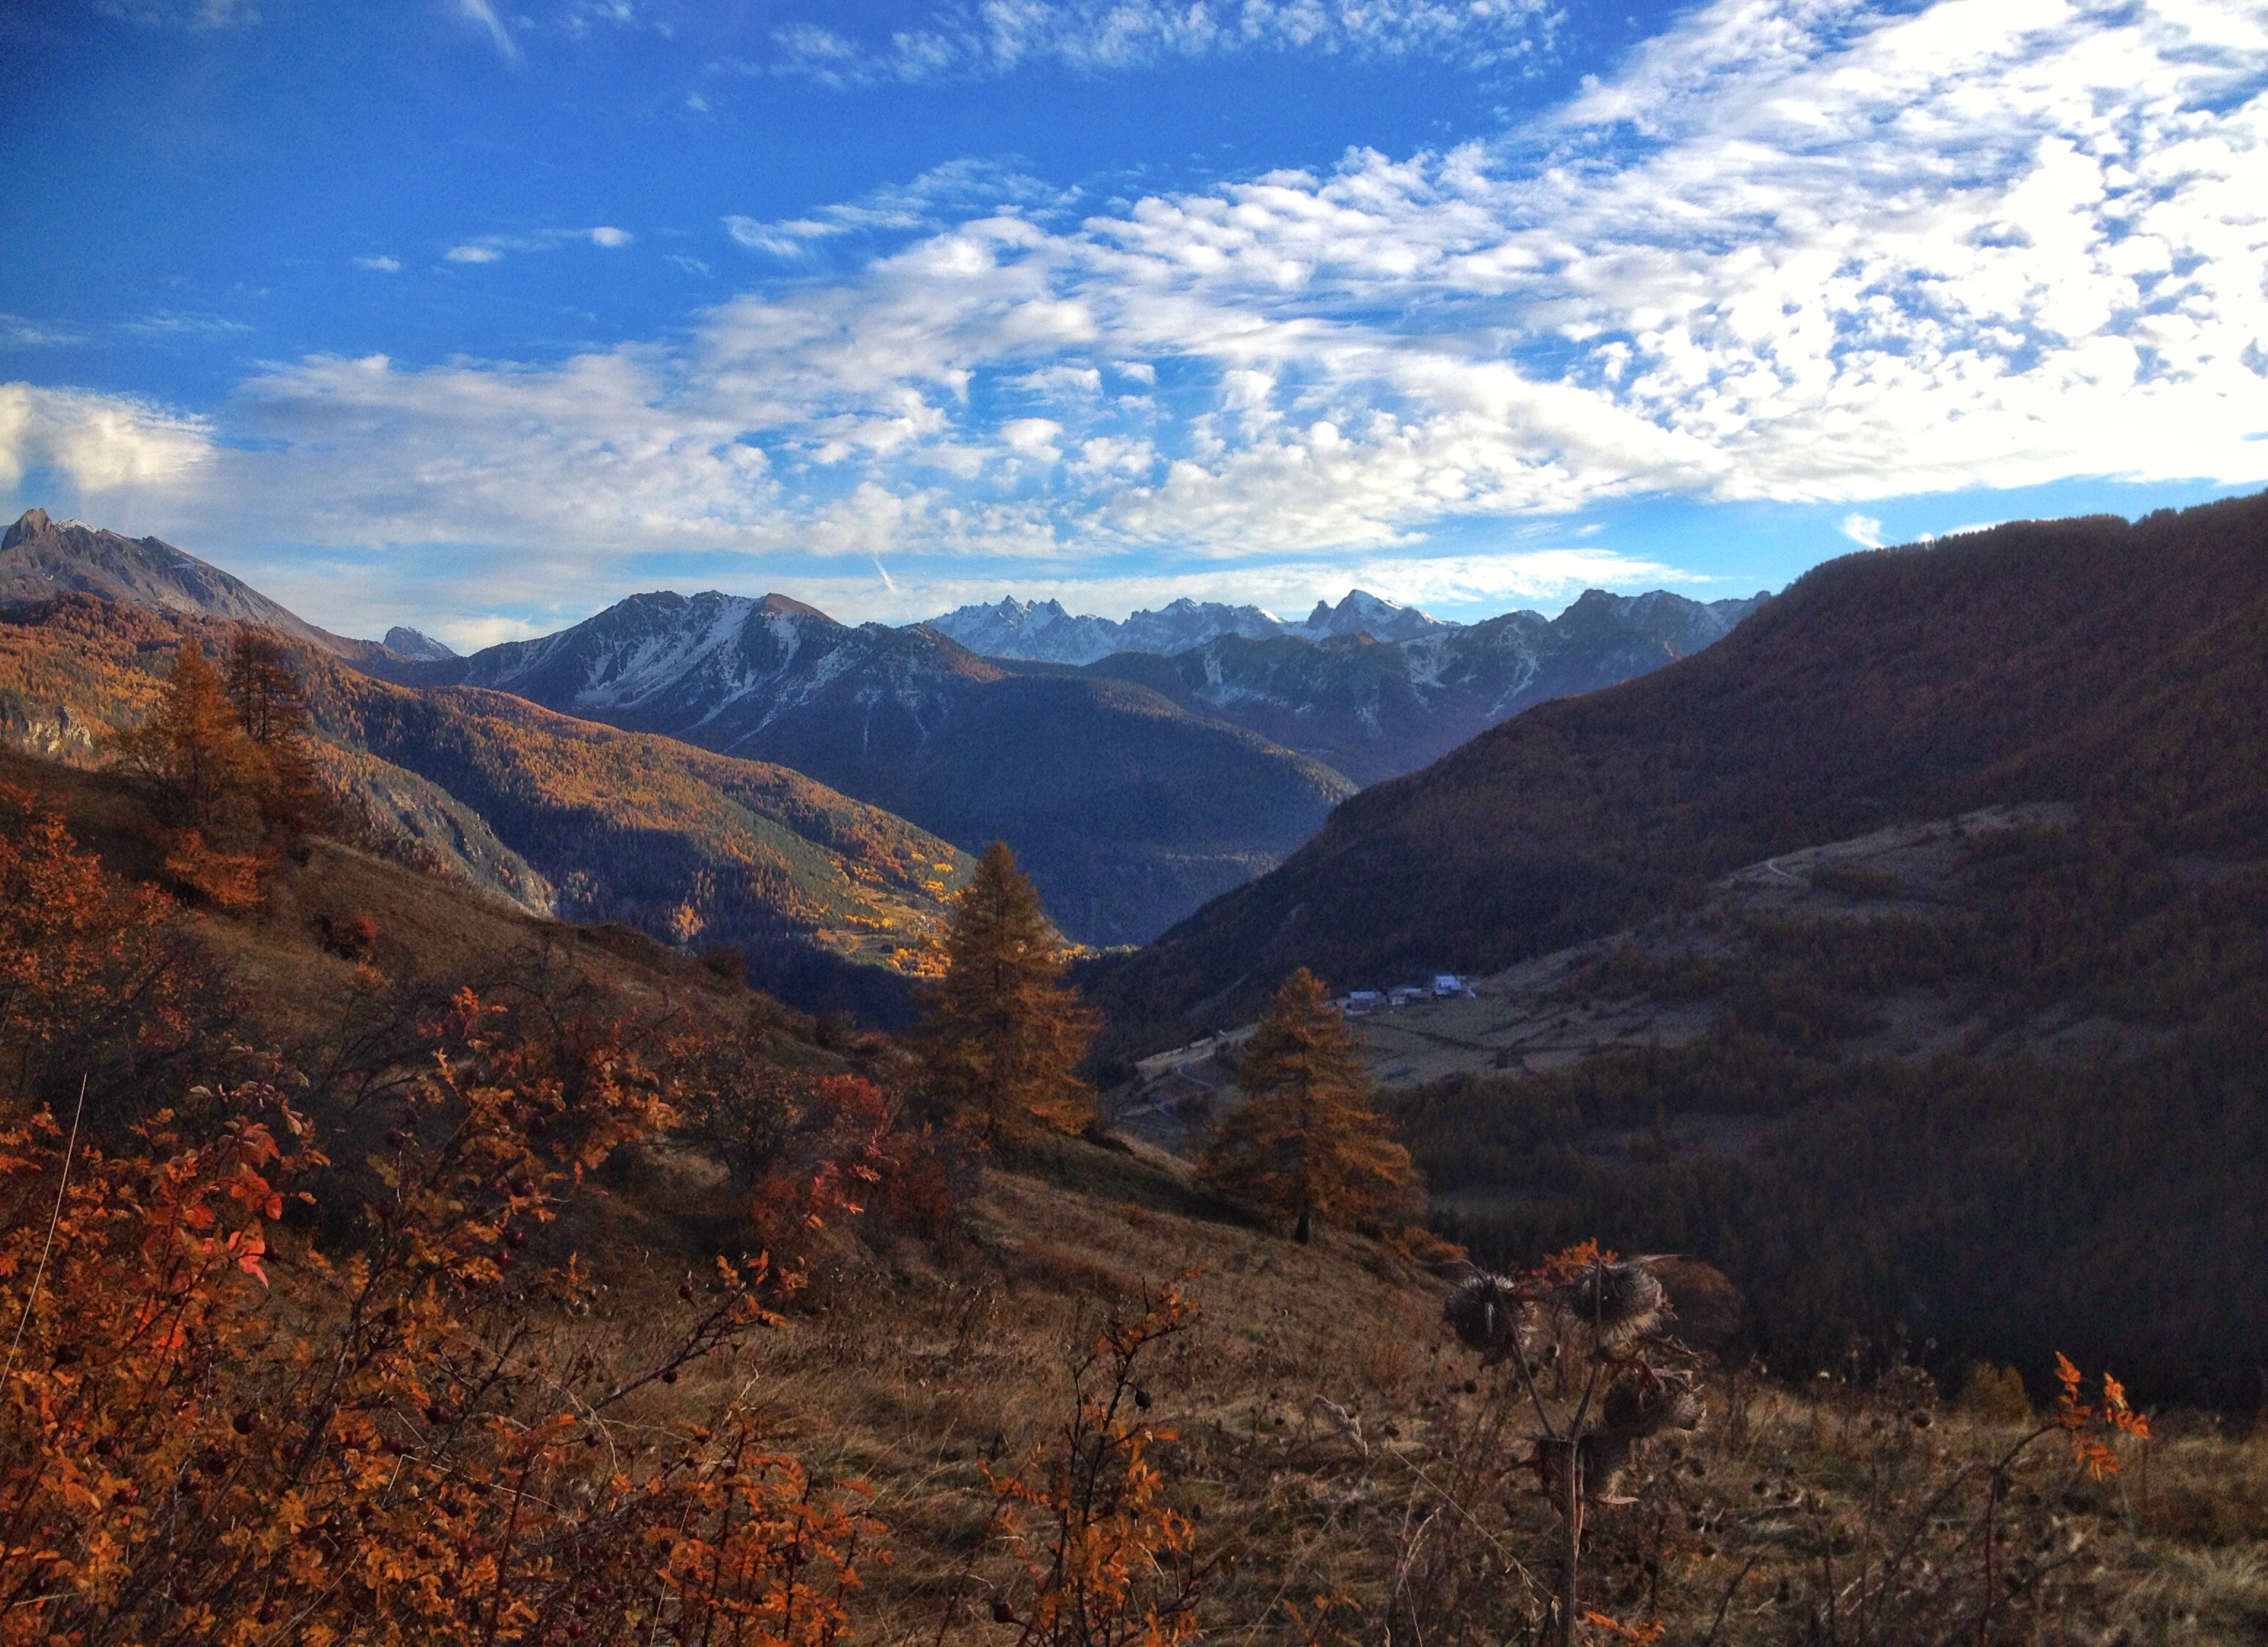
829,899
2113,665
2018,1108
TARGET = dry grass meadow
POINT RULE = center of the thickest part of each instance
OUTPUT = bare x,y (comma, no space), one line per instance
1832,1513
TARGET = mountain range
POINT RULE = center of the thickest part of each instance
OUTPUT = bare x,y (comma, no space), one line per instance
1044,631
1375,709
2038,661
1134,788
830,898
1128,811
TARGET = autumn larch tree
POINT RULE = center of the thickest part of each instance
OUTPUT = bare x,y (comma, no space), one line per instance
1003,1038
272,710
192,745
1306,1144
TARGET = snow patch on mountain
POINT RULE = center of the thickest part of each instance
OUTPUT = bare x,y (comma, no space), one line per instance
1046,631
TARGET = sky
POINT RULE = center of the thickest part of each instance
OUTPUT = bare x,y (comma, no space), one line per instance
478,315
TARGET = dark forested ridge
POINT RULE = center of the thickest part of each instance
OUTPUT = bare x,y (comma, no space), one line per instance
2017,1108
2017,1112
2113,665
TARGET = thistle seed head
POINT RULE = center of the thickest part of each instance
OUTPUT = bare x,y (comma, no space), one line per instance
1483,1311
1646,1407
1621,1300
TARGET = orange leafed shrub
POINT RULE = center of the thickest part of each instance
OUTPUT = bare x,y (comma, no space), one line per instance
2090,1424
1105,1559
386,1444
83,954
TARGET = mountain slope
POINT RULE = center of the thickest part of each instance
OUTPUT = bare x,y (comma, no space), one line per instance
831,897
1375,711
2090,660
1128,810
41,558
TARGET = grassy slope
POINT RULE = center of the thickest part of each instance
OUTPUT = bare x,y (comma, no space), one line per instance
910,1367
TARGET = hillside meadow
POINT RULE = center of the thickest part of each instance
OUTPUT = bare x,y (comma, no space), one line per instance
951,1368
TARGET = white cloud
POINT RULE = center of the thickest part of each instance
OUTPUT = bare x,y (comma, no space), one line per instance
382,265
492,248
18,332
1863,530
790,238
1796,252
98,443
1106,36
168,323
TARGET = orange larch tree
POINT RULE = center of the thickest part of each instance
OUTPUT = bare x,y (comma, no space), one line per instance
1305,1144
1002,1039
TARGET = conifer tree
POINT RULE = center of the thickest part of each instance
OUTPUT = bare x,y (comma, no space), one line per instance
1306,1144
192,744
272,710
1002,1039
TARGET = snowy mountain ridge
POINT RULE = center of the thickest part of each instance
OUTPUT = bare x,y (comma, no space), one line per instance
1045,631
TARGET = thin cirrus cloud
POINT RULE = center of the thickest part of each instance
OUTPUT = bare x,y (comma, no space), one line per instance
1800,255
494,248
483,16
1101,36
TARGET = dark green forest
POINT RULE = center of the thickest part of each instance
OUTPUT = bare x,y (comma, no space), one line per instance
1991,1202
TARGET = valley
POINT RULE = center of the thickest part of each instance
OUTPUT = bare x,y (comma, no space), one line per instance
1134,823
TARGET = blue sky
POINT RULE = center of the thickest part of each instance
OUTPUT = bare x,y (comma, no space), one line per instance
479,316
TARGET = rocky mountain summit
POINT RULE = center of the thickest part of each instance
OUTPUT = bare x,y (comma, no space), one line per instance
41,558
416,644
1044,631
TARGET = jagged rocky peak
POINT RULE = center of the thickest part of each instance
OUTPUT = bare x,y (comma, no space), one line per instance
1361,610
30,524
416,644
